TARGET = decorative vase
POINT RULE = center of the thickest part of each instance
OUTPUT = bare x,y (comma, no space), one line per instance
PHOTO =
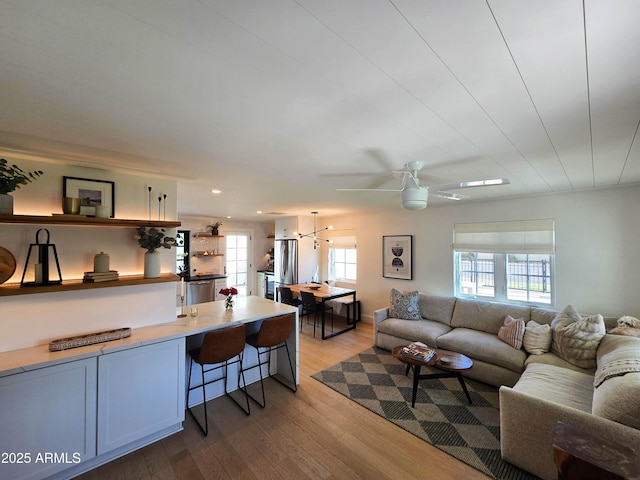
6,204
228,302
214,231
152,264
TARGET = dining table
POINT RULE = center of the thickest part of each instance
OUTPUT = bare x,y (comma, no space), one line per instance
323,293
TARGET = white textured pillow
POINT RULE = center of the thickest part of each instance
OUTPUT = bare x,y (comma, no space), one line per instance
537,338
576,339
512,331
404,305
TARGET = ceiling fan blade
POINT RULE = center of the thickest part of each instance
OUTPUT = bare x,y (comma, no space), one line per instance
448,196
369,189
472,184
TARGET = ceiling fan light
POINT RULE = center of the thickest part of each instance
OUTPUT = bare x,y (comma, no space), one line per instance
414,198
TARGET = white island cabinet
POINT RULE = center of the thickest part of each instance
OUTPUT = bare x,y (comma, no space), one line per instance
76,409
140,392
47,419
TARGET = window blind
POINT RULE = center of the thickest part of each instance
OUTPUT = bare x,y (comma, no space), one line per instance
343,239
520,236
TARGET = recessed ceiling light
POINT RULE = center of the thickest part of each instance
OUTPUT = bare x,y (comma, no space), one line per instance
259,211
216,191
228,216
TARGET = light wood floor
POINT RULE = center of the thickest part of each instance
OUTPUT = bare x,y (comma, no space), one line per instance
315,433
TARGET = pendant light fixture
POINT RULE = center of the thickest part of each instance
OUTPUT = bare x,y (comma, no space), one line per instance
314,234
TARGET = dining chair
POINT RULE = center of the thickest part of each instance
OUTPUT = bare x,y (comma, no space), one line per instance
286,296
218,348
271,336
311,307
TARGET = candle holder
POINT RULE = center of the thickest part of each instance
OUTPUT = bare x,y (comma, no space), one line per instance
182,314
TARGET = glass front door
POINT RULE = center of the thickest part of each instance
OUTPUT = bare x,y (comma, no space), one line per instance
237,255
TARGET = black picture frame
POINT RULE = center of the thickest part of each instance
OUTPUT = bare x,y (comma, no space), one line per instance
92,193
397,256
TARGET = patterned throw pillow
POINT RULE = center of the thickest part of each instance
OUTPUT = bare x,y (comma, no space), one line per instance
512,331
404,305
537,338
576,339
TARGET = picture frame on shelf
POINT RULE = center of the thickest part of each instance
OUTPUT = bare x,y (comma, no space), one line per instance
92,194
397,256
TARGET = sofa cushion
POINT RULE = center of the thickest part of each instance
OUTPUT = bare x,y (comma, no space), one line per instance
543,315
551,358
617,355
576,338
617,380
439,309
485,316
404,305
425,331
537,338
566,387
483,346
512,331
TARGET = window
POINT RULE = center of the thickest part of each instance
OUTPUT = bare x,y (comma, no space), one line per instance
529,278
505,261
343,256
343,264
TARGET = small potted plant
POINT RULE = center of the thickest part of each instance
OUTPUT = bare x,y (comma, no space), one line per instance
11,178
153,239
214,228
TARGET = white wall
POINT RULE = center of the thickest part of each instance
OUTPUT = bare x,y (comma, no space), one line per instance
34,319
597,257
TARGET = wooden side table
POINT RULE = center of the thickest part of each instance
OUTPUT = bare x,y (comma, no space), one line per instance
578,455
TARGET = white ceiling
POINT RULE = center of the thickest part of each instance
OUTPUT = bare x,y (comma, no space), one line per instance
279,102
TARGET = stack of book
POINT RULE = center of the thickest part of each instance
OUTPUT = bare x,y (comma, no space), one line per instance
93,277
419,351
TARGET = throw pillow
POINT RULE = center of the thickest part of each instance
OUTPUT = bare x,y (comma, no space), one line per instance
512,331
576,338
537,338
404,305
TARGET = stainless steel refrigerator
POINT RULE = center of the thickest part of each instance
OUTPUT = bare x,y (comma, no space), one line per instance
286,262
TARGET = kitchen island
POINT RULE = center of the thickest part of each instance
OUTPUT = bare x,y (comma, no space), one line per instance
63,413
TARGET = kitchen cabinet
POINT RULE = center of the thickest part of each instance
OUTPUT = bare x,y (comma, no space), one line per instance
47,419
140,392
286,228
64,419
266,285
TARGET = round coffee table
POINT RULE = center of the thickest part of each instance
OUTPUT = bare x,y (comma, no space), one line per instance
451,363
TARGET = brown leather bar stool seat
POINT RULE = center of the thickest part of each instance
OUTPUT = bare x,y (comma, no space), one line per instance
218,348
272,336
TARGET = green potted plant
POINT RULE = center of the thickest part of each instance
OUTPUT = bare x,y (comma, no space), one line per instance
11,178
214,228
153,239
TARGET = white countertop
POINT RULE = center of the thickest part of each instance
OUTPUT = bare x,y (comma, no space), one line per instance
211,316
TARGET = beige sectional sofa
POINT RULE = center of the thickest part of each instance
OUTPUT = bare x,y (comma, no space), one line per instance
536,391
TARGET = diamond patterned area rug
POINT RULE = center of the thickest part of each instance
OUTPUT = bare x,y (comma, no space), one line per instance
442,415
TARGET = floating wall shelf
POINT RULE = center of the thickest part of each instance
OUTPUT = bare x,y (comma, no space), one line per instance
85,221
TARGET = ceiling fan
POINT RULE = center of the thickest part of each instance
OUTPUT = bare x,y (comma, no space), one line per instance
414,196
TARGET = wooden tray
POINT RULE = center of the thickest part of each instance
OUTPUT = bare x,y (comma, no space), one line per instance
89,339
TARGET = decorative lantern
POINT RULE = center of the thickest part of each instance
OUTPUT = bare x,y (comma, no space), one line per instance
42,266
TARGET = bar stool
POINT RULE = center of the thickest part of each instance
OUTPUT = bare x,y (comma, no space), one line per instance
217,347
271,337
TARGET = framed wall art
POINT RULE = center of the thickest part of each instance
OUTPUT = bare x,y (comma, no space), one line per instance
92,193
397,256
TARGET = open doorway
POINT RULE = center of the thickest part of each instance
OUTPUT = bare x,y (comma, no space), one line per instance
238,253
